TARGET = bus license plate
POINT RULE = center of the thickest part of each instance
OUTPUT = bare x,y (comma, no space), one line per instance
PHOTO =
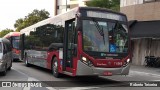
107,73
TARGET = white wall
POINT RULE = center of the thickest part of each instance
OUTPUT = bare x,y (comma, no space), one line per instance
124,3
62,4
145,47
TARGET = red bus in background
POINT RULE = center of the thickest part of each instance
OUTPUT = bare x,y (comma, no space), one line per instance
82,41
14,38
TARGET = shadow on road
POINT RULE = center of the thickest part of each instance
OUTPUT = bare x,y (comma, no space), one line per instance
82,81
78,81
17,61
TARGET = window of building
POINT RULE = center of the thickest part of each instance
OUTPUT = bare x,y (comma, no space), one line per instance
123,3
148,1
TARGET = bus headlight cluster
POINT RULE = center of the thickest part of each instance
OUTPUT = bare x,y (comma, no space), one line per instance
86,61
126,62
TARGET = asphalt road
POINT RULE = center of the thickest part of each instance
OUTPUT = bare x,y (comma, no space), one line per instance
20,72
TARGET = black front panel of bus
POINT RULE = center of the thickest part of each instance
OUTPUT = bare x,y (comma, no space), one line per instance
105,55
102,13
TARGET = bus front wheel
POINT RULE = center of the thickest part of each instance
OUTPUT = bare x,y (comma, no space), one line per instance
55,68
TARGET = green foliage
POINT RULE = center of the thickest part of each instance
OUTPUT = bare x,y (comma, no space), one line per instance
31,19
109,4
5,31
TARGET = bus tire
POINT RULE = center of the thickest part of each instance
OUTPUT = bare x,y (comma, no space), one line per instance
5,71
55,68
26,61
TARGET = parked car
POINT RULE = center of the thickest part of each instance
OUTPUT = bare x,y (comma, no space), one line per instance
152,61
5,56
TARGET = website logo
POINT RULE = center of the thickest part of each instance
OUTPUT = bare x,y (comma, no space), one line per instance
6,84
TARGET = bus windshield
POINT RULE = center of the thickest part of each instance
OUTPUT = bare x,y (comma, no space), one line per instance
15,42
113,37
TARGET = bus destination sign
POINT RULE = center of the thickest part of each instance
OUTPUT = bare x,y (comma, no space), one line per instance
106,15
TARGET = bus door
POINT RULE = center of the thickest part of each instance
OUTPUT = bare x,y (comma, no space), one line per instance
22,36
69,45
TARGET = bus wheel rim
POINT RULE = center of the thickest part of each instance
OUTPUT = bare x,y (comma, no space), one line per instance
55,67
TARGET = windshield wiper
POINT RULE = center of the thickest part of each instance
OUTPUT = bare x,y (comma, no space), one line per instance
99,28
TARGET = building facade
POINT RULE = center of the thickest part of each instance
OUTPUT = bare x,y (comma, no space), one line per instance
145,38
142,10
144,17
62,6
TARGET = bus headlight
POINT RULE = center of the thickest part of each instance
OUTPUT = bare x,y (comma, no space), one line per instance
86,61
126,62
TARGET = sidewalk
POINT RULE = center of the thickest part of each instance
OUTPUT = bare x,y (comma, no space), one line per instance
139,73
145,69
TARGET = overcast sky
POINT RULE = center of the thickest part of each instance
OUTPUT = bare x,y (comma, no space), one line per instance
11,10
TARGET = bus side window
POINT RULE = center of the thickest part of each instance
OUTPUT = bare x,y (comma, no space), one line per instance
71,32
72,37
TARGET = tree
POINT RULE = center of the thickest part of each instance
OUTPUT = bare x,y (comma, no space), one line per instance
5,31
18,23
31,19
109,4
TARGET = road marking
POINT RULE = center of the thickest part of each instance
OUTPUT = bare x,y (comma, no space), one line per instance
31,79
129,75
155,80
80,88
20,72
51,88
144,73
26,88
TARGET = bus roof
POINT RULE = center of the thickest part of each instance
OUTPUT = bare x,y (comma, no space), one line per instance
69,15
12,34
100,9
3,39
51,20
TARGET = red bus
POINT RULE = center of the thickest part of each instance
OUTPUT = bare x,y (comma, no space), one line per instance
14,38
82,41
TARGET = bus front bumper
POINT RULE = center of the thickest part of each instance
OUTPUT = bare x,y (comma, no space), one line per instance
83,69
15,56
